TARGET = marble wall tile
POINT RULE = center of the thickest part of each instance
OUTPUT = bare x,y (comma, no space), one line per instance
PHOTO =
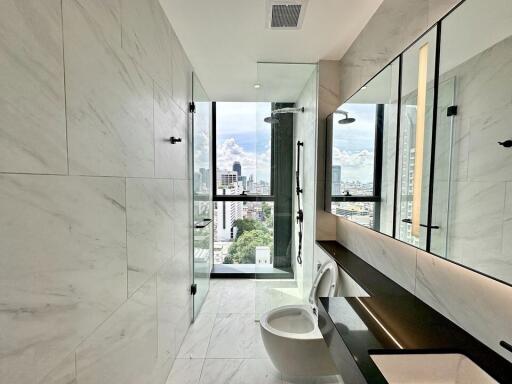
150,221
109,99
481,306
146,34
393,258
487,160
32,119
182,229
63,262
171,160
467,230
181,74
124,348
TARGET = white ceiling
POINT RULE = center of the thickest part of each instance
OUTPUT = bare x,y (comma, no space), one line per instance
225,40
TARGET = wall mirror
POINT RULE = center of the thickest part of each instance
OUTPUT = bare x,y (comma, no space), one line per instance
446,103
361,145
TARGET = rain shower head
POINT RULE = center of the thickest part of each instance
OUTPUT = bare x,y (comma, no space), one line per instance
346,119
271,119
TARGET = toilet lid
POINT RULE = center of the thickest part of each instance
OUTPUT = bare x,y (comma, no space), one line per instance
326,282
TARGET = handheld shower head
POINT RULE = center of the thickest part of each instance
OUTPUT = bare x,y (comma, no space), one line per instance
346,120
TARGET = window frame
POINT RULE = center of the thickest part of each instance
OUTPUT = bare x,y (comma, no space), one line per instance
377,164
240,197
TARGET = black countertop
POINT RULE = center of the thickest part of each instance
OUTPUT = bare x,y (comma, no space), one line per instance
390,320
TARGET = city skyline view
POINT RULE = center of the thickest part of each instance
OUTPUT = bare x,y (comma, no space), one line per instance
243,136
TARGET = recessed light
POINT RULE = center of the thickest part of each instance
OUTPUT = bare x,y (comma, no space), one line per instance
257,86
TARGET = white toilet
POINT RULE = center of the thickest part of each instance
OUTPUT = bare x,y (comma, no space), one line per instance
291,335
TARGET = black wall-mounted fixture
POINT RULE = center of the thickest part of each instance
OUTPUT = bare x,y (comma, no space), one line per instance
506,345
175,140
300,212
451,110
506,143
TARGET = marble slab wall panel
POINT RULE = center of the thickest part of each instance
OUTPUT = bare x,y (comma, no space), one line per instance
63,263
146,35
393,258
480,305
171,160
32,119
109,98
124,348
395,25
181,74
150,220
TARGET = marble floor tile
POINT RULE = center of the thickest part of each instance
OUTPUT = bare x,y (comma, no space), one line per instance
335,379
198,336
239,371
32,117
236,335
237,300
185,371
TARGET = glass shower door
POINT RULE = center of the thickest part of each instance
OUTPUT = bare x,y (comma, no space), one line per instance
202,204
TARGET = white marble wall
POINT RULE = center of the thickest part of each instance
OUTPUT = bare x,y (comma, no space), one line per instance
481,172
395,25
94,204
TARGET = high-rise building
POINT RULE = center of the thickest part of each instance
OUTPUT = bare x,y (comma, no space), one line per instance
227,212
226,178
237,167
336,180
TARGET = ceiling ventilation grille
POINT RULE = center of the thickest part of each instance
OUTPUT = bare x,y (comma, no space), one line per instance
285,14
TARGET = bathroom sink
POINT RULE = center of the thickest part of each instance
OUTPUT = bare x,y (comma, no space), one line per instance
430,368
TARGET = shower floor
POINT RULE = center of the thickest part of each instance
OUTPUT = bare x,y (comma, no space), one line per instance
224,344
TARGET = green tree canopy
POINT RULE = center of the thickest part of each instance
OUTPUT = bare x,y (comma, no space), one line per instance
245,225
243,250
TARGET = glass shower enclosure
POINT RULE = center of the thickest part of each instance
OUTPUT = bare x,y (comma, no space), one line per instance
202,253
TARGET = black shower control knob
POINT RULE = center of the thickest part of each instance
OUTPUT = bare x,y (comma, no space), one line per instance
506,143
175,140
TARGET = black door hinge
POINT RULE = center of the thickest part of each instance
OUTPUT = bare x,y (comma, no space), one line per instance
191,107
193,289
452,110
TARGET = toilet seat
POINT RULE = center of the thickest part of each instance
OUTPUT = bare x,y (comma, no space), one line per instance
292,321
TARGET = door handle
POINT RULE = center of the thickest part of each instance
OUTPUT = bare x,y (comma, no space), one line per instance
203,223
409,221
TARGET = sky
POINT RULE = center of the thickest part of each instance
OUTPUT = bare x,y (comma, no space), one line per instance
243,136
354,144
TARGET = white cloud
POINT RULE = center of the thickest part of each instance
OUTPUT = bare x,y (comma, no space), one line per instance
258,165
354,165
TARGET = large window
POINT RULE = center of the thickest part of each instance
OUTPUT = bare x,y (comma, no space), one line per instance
248,168
243,149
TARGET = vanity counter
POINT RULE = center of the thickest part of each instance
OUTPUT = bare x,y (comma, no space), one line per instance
390,320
